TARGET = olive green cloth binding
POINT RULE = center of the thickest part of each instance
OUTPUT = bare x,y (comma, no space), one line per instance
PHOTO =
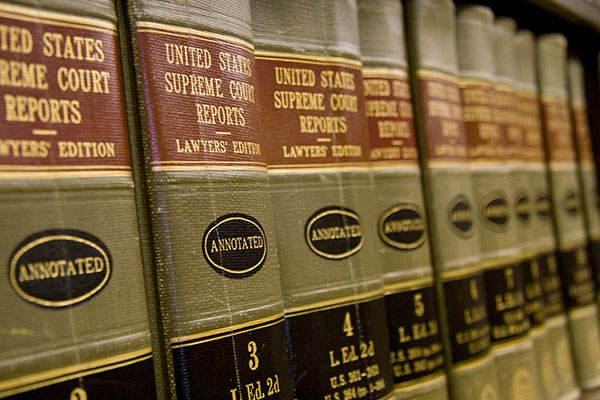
312,102
74,319
575,271
402,233
485,59
213,233
586,168
449,198
548,321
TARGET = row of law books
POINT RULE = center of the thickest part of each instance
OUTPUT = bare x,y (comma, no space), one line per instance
260,200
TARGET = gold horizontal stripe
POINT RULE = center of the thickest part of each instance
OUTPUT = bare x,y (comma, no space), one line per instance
372,72
53,18
33,381
461,272
594,235
301,58
553,98
63,174
582,311
468,82
389,396
207,162
427,73
408,285
501,261
446,163
154,27
510,342
57,167
504,87
334,303
548,248
468,364
414,383
400,165
531,94
319,166
571,244
208,168
227,330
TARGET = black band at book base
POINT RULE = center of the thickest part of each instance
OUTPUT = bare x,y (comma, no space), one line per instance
415,342
534,292
341,353
577,277
248,365
134,380
468,324
594,258
505,289
551,285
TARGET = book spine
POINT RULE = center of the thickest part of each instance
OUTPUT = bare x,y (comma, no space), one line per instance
546,312
212,223
574,268
449,198
415,340
74,316
586,168
311,95
486,57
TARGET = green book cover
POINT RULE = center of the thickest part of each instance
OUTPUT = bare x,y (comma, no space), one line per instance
212,223
586,168
415,340
544,307
486,60
449,199
575,271
74,321
311,96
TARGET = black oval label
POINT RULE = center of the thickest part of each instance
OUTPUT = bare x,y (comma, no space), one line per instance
571,203
523,208
402,227
334,232
235,245
494,211
542,206
460,216
60,267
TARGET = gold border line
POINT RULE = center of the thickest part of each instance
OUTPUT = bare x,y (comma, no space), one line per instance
470,81
501,261
378,72
572,244
30,382
462,272
414,383
433,163
462,365
183,168
54,18
396,164
65,167
334,303
226,331
361,165
445,76
63,174
523,337
313,59
408,285
173,30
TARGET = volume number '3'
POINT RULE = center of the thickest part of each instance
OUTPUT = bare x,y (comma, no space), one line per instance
253,362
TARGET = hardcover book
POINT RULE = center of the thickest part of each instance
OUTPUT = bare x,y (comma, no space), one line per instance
543,297
311,96
449,199
573,265
415,340
586,168
74,320
212,224
486,58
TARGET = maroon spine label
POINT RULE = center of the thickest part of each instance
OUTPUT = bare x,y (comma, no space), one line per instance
531,125
200,98
558,130
582,133
445,137
485,139
62,95
389,112
313,110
